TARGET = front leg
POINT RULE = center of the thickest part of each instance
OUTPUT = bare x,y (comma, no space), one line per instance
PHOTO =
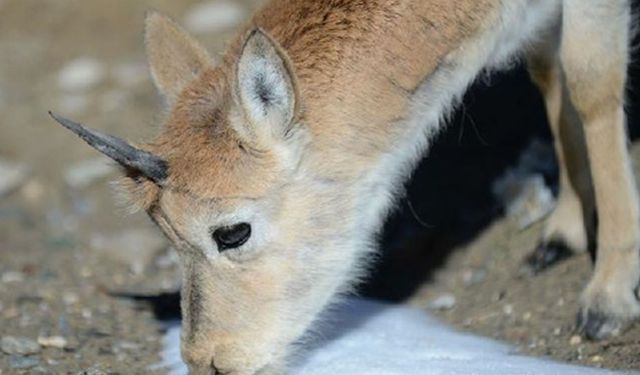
594,56
570,227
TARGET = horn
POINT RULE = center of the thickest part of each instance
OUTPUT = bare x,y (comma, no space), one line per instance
119,150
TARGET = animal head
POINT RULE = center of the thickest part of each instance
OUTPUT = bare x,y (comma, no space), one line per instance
261,245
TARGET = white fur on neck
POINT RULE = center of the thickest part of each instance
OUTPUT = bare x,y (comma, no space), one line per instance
514,27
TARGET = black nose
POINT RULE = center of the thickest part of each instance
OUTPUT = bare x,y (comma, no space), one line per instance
232,236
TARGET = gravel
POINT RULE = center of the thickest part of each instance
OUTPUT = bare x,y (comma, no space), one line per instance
19,345
18,363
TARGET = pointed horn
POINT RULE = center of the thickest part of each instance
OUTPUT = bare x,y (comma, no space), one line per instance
119,150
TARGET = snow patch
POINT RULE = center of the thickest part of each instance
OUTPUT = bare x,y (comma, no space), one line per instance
371,338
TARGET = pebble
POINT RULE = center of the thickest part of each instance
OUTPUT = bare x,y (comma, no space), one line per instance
136,248
52,342
473,276
16,362
33,191
128,346
596,358
12,277
82,174
81,74
12,176
213,16
445,301
70,298
575,340
94,370
507,309
19,345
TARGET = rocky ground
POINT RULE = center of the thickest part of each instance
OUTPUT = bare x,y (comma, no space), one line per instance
68,250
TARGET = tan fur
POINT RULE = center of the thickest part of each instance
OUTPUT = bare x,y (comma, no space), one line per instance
317,112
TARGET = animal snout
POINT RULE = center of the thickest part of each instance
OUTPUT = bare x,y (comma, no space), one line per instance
202,367
199,361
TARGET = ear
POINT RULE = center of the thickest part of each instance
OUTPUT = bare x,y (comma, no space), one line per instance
175,58
266,86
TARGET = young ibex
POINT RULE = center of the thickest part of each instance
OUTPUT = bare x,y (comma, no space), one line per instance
276,167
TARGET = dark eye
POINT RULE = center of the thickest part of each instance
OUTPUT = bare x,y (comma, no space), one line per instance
232,236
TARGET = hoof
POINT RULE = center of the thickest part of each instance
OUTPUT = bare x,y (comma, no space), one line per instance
547,254
598,326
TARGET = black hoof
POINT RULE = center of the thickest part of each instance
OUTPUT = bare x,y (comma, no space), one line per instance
598,326
548,254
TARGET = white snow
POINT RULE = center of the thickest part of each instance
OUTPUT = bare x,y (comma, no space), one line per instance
214,16
370,338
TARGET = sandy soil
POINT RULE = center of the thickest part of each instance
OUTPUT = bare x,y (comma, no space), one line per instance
66,246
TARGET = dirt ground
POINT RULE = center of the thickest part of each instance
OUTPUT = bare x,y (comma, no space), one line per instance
66,244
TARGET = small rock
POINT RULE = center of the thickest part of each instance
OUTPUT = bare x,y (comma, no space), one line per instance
17,362
473,276
12,176
507,309
12,277
83,173
19,345
575,340
70,298
557,331
445,301
33,191
128,346
81,74
136,247
526,316
94,370
52,342
596,359
87,314
213,16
